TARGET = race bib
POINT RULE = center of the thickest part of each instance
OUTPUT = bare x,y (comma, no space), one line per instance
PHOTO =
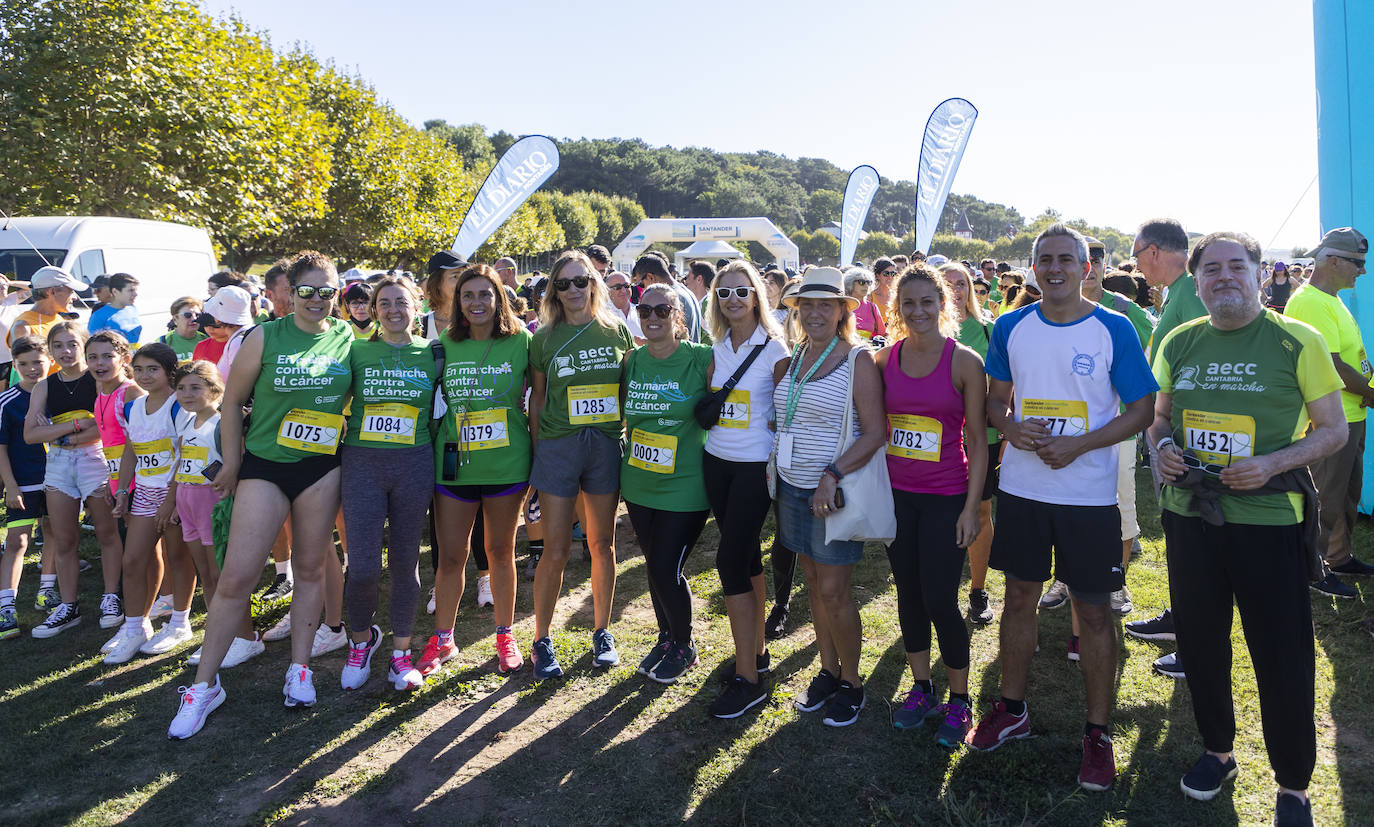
914,437
71,416
483,430
866,335
389,422
191,464
112,455
311,431
1217,438
1067,417
735,412
653,452
590,404
153,458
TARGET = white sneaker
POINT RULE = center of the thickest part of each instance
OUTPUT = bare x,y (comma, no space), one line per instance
403,674
109,645
300,686
193,659
327,640
197,702
111,611
241,650
1121,601
484,591
429,607
162,607
281,631
169,637
128,645
1055,596
358,667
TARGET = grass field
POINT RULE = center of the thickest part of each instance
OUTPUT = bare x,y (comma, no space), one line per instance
86,743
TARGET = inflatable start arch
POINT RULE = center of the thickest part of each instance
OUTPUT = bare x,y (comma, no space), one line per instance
688,230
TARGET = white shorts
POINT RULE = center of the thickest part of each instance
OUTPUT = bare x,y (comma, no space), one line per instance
77,472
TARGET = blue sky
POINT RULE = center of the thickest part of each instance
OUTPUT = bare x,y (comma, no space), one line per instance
1110,111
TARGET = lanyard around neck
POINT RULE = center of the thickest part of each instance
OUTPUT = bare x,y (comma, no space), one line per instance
795,385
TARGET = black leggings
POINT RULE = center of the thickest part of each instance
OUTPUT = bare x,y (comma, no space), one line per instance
667,537
927,566
738,493
1262,570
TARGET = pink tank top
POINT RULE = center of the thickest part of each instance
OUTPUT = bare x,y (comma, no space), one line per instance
925,427
107,407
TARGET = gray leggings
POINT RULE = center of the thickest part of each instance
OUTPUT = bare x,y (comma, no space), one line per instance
382,485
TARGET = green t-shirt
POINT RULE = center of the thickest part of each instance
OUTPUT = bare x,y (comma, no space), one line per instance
393,393
484,386
1140,320
581,364
976,335
184,347
662,464
1181,305
1242,393
1334,322
298,399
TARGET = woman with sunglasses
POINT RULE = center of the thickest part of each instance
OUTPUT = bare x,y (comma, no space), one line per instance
868,317
229,312
661,475
576,426
975,332
885,270
184,335
296,369
735,466
482,457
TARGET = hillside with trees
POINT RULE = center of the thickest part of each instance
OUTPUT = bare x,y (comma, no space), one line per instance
154,109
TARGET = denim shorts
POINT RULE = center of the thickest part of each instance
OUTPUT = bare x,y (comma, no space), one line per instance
587,460
77,472
804,533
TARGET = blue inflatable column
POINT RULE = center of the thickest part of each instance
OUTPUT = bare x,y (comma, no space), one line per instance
1343,32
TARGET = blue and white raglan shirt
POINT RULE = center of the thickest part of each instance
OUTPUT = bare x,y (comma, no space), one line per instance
1075,375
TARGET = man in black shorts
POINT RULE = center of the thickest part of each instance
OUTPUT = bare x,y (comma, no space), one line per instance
1070,365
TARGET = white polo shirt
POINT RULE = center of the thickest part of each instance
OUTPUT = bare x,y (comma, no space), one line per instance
743,433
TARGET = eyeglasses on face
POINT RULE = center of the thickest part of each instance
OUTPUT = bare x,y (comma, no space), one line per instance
980,291
723,293
662,311
887,274
1358,262
619,287
308,291
563,284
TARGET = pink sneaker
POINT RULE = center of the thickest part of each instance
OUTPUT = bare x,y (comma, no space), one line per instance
435,655
1099,762
507,654
403,674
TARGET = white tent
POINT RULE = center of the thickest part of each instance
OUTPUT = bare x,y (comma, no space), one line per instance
711,251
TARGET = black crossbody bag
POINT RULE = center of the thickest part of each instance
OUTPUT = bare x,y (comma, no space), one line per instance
707,410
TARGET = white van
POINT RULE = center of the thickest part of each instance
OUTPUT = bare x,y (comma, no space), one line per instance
169,260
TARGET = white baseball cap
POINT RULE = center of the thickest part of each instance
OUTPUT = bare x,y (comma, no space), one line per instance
55,277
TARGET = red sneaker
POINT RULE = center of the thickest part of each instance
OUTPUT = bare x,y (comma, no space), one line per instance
1099,762
507,655
998,727
435,655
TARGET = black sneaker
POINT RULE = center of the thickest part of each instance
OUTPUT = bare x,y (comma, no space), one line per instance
739,697
822,688
279,589
655,655
1204,780
1332,586
1170,666
679,658
1159,627
1354,568
844,707
64,617
978,609
1291,811
776,624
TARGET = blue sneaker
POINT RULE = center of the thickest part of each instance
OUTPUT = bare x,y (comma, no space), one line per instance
603,649
544,660
914,709
9,623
